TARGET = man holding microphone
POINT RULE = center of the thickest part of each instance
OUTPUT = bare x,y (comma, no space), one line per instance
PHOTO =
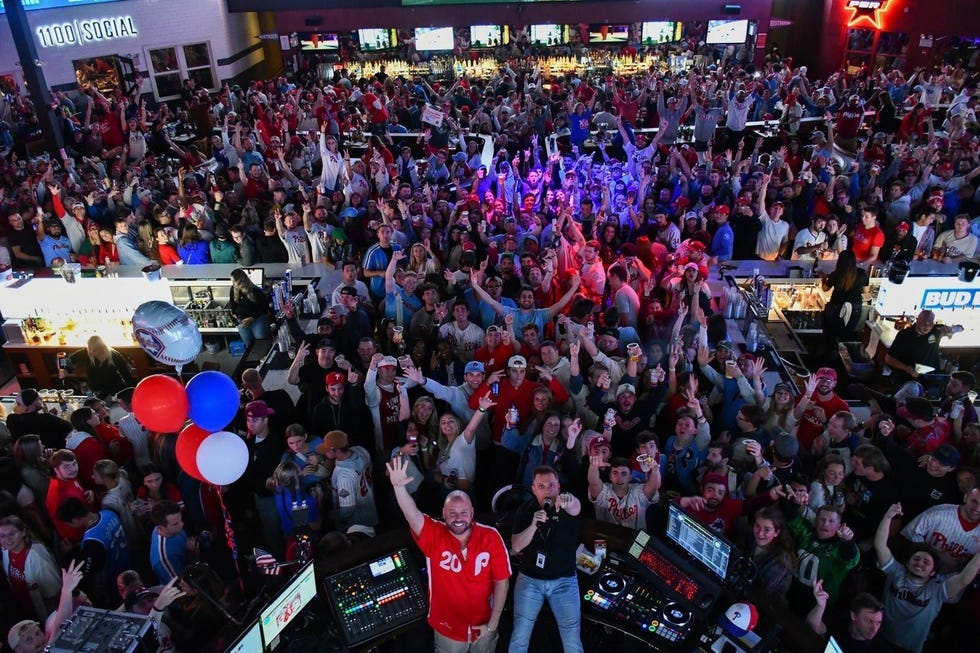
546,530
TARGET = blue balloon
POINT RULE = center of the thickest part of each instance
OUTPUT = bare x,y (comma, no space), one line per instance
213,400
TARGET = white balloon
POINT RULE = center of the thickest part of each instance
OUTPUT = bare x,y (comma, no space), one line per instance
222,458
166,333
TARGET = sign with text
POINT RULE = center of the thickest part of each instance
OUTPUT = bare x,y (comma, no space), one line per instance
951,298
81,32
870,11
947,296
432,116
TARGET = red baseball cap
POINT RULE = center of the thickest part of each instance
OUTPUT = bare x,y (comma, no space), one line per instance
335,378
827,373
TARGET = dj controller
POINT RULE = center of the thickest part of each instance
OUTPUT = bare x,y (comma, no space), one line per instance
654,596
639,606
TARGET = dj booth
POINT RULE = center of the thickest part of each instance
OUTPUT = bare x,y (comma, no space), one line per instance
664,592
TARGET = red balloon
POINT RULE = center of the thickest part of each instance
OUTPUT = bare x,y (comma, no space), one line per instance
160,403
188,442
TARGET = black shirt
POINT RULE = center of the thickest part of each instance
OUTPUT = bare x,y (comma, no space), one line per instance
854,295
746,229
557,539
270,249
53,430
279,401
838,626
911,347
26,239
867,502
919,489
898,249
263,458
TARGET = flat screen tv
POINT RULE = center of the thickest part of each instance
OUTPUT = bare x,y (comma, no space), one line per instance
488,36
654,33
548,34
372,40
612,34
319,42
727,32
433,39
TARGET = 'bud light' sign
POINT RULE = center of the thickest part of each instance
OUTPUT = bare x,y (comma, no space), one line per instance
953,298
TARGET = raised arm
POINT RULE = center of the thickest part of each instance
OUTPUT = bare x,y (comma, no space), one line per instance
882,552
595,482
556,308
486,403
398,476
957,583
497,307
396,256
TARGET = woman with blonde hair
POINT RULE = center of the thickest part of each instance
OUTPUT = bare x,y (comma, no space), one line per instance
422,261
146,240
286,484
425,418
250,306
455,467
105,370
118,498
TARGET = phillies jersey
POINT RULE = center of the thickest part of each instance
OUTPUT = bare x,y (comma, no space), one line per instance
944,529
630,511
460,585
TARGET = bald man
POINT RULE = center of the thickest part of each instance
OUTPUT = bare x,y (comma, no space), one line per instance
469,569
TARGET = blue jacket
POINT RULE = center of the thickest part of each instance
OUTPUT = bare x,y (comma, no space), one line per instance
195,253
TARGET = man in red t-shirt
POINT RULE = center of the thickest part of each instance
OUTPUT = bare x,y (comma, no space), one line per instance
63,486
818,403
868,237
469,568
375,108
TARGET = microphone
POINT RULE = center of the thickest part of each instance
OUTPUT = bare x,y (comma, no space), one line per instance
549,506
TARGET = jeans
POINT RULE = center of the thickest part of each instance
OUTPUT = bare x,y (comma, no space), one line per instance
259,329
562,595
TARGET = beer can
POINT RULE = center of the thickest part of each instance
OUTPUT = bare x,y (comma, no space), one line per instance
599,546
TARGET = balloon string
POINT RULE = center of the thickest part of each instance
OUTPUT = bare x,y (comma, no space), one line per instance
230,537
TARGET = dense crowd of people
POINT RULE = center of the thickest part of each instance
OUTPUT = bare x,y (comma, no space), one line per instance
533,329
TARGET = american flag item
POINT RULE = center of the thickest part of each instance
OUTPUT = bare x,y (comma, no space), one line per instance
266,562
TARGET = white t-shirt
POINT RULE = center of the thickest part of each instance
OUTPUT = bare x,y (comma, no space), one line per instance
462,458
770,238
941,528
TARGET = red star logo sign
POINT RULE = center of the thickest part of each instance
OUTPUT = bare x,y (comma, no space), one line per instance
868,10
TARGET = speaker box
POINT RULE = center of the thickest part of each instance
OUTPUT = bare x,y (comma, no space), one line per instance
732,10
313,21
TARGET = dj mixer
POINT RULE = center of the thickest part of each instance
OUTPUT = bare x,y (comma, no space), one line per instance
106,631
377,597
639,606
